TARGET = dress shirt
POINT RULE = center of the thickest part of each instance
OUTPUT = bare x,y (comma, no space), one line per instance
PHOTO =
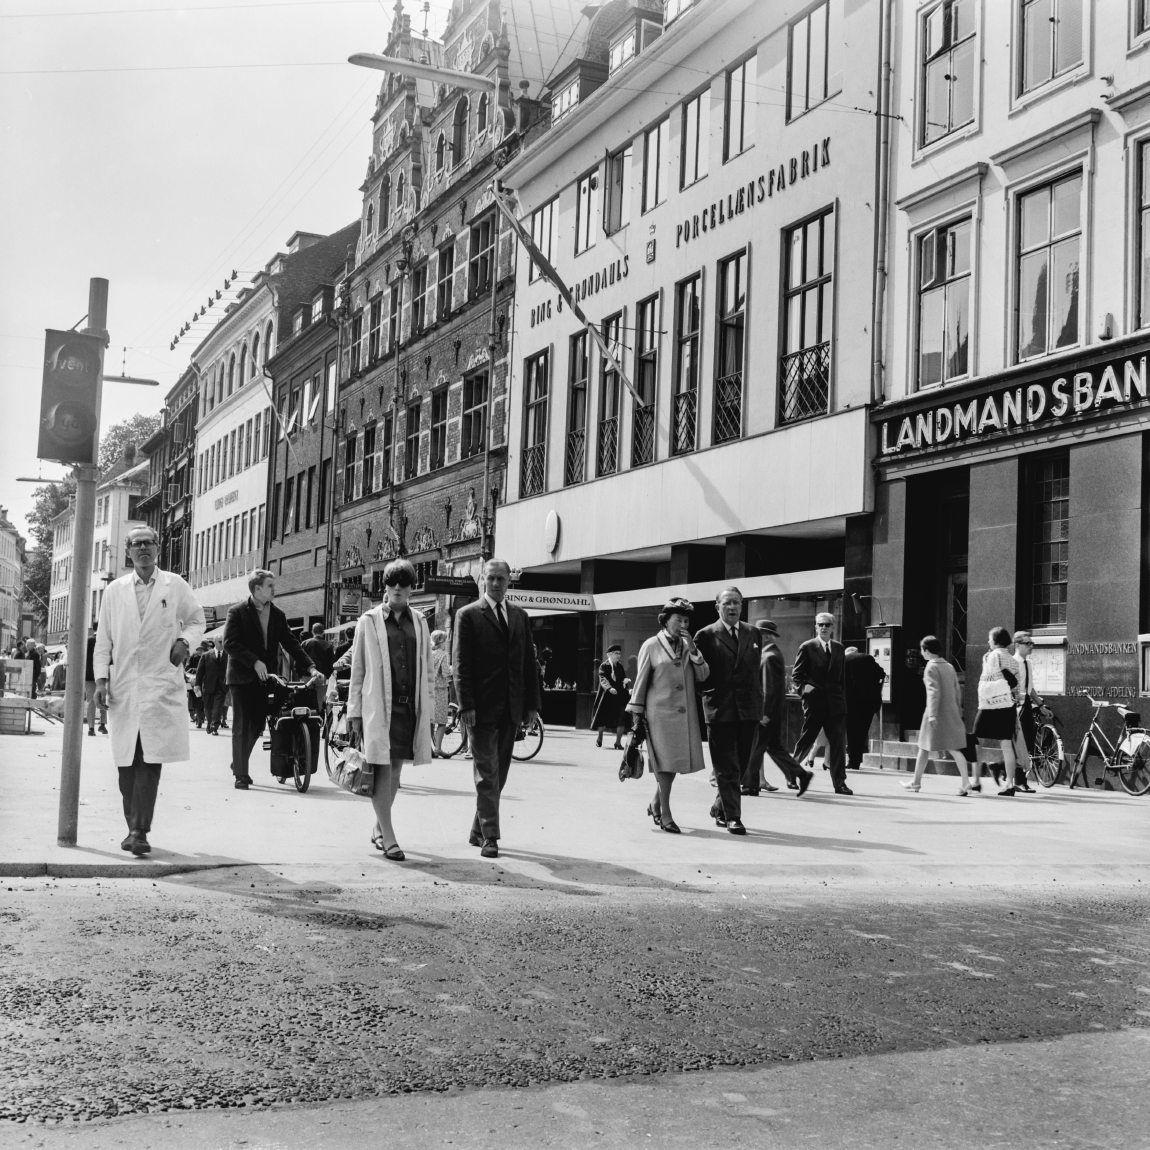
143,591
498,608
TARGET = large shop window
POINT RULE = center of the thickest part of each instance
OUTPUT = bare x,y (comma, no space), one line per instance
808,318
411,441
729,345
656,157
814,58
949,56
1046,508
944,304
1049,253
685,401
736,120
585,211
575,447
533,467
1143,232
473,431
607,439
1052,41
646,378
542,235
695,140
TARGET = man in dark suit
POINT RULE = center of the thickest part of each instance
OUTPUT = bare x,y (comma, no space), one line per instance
497,684
253,635
732,704
211,678
818,677
769,737
864,679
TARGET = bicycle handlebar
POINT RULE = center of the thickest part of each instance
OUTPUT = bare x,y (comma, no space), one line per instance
1098,704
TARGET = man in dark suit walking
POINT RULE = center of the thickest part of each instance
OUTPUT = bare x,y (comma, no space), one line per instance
211,678
769,737
818,677
497,685
253,635
864,679
732,704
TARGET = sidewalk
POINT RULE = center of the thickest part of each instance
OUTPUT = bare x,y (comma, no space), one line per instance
566,817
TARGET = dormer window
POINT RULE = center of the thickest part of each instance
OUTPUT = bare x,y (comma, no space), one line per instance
317,307
298,321
565,99
622,50
673,9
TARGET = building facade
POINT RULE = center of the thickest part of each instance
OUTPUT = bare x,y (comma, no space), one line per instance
422,408
59,593
722,241
11,581
1012,446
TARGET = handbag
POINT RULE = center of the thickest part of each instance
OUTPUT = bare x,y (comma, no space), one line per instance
633,765
995,694
351,772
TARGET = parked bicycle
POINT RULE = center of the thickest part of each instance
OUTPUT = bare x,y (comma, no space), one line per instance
1047,756
294,723
1127,756
335,735
528,739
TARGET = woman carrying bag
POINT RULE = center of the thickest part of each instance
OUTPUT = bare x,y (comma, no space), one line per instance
611,698
390,698
996,716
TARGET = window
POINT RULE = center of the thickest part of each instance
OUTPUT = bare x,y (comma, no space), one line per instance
308,498
621,51
248,444
411,442
1143,233
419,298
585,234
289,502
673,9
243,365
260,535
808,318
376,318
438,428
459,133
617,198
695,139
948,63
245,526
1142,17
1051,40
299,496
656,156
814,58
267,442
356,337
607,443
317,308
385,460
566,99
736,123
578,371
349,451
440,149
393,317
729,345
231,454
473,432
1046,516
370,230
646,379
542,235
1049,247
231,373
321,511
369,459
444,281
255,353
688,322
533,466
400,191
481,115
480,264
944,304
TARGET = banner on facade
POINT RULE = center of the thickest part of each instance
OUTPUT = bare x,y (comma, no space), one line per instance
351,601
551,600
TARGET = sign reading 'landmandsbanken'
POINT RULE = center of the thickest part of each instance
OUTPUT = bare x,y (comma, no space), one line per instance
1105,387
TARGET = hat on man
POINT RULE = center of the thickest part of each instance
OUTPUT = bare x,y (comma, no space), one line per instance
767,626
614,647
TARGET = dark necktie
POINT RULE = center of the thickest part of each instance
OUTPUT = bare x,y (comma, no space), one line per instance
734,635
502,620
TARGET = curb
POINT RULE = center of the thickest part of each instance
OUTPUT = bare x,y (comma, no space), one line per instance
107,870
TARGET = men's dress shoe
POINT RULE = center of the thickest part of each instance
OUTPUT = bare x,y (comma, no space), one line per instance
474,840
805,781
843,791
736,827
102,729
720,822
126,845
1026,788
792,785
752,791
490,849
242,784
139,843
1006,793
91,730
224,726
769,787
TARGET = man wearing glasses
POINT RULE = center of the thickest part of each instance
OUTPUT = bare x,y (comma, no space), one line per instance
1028,698
818,677
149,622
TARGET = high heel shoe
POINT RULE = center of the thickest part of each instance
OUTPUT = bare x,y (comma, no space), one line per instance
672,828
911,786
599,740
654,814
976,787
1006,793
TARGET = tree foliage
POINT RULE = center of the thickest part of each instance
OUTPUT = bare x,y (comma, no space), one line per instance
135,430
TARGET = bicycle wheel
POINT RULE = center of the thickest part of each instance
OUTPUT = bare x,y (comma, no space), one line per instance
1134,764
528,746
1046,760
301,757
454,736
334,740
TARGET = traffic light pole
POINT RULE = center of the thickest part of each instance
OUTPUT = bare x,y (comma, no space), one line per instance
83,528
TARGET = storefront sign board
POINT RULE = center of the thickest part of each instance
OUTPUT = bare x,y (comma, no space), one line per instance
1103,669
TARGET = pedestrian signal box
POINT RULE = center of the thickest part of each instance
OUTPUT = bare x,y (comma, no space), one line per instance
70,396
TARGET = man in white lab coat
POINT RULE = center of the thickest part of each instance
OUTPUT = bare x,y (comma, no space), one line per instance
149,622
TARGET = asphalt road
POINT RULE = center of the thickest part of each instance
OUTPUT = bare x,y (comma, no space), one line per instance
558,997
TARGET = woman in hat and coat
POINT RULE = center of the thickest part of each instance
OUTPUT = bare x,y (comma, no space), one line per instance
942,728
611,698
663,697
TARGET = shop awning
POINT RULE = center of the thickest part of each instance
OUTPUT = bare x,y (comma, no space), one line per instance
752,587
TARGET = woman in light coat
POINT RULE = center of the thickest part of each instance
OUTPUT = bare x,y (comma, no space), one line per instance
942,728
393,726
663,695
441,681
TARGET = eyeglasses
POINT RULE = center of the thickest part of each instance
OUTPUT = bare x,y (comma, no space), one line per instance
822,625
143,543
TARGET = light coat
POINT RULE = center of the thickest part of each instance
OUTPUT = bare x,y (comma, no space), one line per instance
369,692
664,691
942,726
148,694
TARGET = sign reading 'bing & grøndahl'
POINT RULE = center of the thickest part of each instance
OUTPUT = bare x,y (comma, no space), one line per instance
1104,388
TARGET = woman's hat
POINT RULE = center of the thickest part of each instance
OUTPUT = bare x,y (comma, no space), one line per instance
614,647
768,626
678,606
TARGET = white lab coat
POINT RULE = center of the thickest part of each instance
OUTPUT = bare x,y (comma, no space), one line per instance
148,695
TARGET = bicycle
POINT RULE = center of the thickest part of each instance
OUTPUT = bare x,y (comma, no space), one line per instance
334,731
528,740
1047,756
1128,756
295,725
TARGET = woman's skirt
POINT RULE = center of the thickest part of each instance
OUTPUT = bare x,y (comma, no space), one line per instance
995,724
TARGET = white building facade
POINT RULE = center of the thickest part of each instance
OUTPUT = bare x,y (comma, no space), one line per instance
723,242
11,580
60,588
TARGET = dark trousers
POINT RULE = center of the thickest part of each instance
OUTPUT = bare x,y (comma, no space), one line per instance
858,728
491,745
731,747
767,742
815,717
1029,724
139,784
249,717
195,708
214,707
